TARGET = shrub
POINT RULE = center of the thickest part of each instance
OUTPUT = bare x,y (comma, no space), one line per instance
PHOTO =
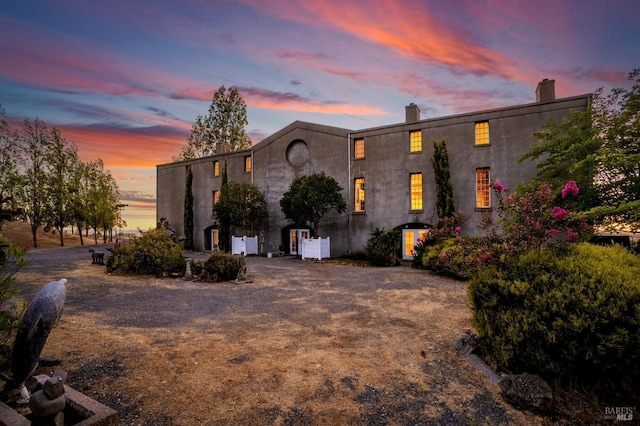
11,260
153,253
222,267
457,257
447,228
562,312
383,246
197,266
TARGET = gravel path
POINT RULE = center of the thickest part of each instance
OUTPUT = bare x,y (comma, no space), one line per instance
302,343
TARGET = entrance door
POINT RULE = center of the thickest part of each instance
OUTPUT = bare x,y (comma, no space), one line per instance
410,239
295,235
214,239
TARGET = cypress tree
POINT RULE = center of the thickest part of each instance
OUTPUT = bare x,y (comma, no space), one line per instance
442,176
188,210
223,223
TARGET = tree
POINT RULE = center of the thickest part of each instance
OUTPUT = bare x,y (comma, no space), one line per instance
442,176
311,197
225,122
241,204
34,196
59,182
188,210
224,224
9,173
599,149
78,194
102,199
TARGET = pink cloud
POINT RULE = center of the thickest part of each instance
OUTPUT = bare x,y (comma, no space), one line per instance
411,32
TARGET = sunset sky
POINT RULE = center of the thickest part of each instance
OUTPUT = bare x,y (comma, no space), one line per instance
124,80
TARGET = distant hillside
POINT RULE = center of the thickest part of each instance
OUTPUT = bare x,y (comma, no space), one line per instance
20,233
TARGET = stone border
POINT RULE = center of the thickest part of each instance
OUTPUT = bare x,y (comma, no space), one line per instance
95,413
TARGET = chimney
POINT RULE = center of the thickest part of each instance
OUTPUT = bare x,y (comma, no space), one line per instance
412,113
223,148
546,91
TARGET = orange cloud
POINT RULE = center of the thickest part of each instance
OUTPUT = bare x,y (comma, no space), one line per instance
411,32
125,147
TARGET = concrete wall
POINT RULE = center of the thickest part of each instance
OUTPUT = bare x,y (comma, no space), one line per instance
171,183
297,150
305,148
388,163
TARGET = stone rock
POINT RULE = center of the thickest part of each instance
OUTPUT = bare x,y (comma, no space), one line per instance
528,391
54,387
465,345
42,407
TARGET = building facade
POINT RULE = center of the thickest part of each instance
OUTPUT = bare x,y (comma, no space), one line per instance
385,172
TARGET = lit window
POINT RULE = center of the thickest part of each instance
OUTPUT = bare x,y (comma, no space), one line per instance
358,148
415,141
216,168
416,191
247,163
359,192
482,133
483,188
215,195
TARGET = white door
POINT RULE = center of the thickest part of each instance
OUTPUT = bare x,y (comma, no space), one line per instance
295,235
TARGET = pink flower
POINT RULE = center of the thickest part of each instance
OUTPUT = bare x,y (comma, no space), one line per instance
572,235
553,232
559,213
570,189
498,186
535,224
458,229
442,256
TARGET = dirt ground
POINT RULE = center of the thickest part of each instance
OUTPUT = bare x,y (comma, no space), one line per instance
303,343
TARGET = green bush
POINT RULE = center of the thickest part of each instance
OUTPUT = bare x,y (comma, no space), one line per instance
11,260
383,246
562,313
222,267
153,253
197,266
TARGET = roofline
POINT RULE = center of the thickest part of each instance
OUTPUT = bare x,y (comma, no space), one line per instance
587,96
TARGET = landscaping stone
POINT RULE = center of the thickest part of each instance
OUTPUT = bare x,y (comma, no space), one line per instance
528,391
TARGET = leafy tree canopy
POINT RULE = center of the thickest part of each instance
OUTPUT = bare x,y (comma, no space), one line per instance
241,204
311,197
599,149
224,122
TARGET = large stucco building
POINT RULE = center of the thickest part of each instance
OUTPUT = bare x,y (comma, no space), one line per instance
385,172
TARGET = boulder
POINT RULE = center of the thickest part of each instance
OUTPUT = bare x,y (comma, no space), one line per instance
528,391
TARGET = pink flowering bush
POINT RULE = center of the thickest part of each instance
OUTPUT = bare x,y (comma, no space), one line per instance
570,189
546,302
528,219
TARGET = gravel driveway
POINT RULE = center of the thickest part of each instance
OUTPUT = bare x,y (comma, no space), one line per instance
302,343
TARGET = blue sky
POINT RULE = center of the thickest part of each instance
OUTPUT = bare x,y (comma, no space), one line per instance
125,80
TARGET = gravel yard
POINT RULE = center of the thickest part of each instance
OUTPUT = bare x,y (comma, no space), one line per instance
302,343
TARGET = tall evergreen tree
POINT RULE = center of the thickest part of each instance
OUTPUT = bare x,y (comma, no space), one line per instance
188,210
225,122
442,176
224,223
